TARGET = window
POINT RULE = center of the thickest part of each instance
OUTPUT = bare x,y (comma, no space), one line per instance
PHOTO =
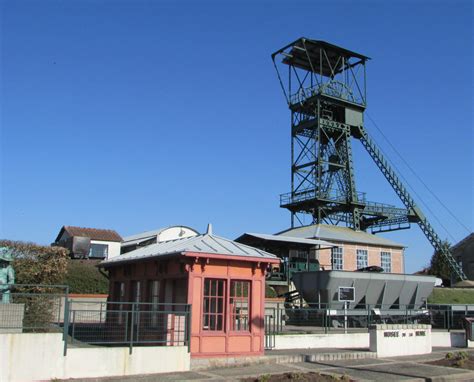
213,304
302,254
336,258
99,251
239,305
136,292
119,296
386,261
154,296
362,259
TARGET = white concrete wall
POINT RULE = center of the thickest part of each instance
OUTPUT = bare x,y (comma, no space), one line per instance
448,339
39,356
398,340
357,340
315,341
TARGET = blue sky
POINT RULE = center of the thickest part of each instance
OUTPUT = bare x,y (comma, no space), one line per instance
134,115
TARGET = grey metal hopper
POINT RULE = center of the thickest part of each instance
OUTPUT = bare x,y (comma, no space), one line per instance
376,289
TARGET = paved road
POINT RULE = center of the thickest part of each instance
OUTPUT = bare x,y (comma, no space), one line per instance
411,368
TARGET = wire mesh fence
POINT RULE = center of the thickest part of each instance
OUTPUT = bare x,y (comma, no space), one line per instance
48,308
128,324
34,309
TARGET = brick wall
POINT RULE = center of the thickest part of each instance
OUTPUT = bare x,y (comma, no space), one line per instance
350,256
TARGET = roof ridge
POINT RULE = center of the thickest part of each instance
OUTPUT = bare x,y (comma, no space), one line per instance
202,243
214,238
247,246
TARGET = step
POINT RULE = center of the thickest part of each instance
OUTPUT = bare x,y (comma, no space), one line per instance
292,356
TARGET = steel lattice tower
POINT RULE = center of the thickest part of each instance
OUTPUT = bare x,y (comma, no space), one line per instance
325,88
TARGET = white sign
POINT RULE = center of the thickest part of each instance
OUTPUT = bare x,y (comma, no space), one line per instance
346,294
397,340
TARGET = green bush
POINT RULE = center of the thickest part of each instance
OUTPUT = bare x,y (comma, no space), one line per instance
37,264
451,296
84,277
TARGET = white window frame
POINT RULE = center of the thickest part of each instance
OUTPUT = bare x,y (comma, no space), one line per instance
382,253
333,250
365,252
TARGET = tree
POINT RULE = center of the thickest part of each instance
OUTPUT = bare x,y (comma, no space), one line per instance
37,264
439,266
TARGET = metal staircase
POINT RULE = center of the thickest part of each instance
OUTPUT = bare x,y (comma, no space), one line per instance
409,202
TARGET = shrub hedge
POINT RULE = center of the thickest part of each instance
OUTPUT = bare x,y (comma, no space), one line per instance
84,277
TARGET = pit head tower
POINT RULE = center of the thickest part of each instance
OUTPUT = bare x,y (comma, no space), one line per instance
325,89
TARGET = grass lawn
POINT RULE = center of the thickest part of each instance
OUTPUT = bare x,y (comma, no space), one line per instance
451,296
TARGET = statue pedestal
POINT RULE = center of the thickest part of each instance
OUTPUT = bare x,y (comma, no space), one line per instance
11,318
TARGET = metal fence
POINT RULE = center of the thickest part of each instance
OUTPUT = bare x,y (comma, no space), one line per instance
48,308
128,324
34,308
326,318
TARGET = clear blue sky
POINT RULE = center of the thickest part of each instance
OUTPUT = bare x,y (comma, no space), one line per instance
134,115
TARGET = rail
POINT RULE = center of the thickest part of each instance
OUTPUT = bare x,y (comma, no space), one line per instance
327,318
129,324
334,89
311,193
48,309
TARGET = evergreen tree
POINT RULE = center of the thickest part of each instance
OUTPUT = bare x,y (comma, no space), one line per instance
439,266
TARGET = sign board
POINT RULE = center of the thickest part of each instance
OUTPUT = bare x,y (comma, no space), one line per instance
346,294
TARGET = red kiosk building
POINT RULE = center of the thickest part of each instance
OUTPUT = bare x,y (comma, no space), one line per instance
223,282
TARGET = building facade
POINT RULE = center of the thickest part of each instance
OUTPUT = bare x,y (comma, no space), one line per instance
352,250
130,243
463,253
222,281
89,243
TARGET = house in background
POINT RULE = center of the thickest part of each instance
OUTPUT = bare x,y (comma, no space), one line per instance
130,243
463,253
89,243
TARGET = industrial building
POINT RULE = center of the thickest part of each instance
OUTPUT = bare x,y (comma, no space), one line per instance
143,239
353,249
463,253
325,247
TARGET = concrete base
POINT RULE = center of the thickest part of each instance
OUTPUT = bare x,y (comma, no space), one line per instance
448,339
274,357
39,356
11,318
320,341
398,340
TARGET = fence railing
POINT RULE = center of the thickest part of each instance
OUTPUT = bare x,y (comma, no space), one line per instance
48,308
326,317
128,324
34,308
